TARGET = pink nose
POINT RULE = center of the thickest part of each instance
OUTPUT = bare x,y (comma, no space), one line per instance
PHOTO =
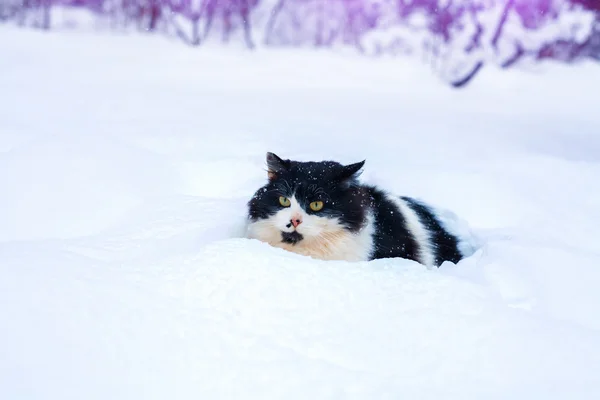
296,221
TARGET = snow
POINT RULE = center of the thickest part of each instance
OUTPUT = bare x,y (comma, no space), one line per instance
125,166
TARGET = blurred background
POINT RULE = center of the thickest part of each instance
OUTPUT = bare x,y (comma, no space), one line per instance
456,38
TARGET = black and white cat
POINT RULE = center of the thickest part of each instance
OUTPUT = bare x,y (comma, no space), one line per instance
319,209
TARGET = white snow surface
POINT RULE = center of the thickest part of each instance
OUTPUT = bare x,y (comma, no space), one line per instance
125,166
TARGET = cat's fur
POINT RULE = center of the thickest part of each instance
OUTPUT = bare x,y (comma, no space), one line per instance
357,222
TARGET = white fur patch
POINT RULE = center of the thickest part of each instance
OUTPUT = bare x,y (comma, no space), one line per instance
324,238
425,252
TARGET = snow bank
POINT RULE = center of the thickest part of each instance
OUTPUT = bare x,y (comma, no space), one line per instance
125,165
238,319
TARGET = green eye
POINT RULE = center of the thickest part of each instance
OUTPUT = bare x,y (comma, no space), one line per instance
316,205
284,201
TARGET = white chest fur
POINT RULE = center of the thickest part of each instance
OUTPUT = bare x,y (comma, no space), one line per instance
331,241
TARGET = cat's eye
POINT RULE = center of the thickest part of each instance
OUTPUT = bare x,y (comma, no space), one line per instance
284,201
316,205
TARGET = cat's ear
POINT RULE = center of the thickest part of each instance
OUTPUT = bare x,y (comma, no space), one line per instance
351,171
276,165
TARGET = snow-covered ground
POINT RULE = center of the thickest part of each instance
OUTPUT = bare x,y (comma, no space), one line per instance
125,166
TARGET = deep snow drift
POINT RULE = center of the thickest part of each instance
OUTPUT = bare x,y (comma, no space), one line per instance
125,165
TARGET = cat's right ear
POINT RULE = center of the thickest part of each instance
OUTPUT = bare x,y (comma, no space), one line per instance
276,165
349,173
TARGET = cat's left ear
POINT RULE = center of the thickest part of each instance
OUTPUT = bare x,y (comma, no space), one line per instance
276,165
352,170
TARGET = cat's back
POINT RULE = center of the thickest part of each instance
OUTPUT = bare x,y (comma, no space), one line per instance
410,228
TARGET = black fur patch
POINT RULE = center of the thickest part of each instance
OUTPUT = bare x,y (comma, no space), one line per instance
291,237
392,238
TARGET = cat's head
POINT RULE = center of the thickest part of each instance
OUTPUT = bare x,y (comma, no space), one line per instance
304,201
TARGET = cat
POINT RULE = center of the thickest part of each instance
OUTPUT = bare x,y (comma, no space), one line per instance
319,209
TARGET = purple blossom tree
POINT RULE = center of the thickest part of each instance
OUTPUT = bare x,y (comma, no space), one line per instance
458,37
